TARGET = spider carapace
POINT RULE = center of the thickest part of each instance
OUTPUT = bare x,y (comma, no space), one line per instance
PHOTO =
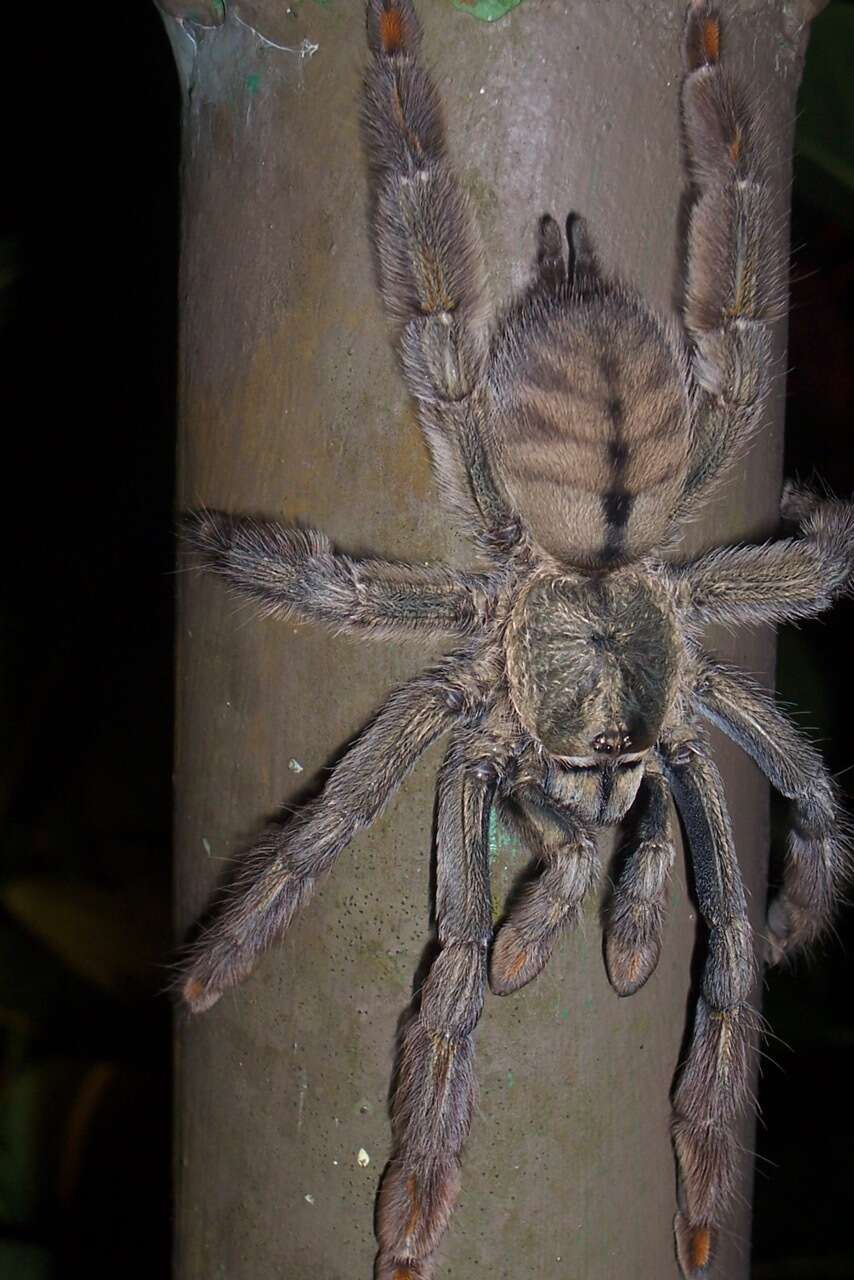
571,443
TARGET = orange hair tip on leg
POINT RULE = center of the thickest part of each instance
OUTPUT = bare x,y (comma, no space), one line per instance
391,30
694,1247
700,1249
702,36
192,990
711,39
197,996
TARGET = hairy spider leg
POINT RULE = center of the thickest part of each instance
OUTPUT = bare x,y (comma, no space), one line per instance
294,572
566,849
636,910
431,273
712,1083
436,1087
277,876
779,581
816,864
736,269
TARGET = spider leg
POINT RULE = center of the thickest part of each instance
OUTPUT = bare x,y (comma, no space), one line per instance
713,1081
277,876
816,863
294,572
431,272
736,269
566,847
436,1087
636,910
778,582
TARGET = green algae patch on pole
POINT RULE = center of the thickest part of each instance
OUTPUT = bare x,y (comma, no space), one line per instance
486,10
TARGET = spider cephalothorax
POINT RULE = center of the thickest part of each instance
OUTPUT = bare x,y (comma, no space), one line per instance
593,664
570,448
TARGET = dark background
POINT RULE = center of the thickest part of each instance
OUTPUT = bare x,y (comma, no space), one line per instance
88,263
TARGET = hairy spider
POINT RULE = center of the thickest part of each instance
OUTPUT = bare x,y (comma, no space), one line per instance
571,444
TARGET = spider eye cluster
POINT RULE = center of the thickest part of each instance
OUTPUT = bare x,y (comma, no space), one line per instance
612,742
593,665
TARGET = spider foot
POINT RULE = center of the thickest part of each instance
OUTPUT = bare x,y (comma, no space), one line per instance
798,502
415,1203
211,971
210,532
388,1268
540,912
196,996
392,26
703,36
517,958
695,1246
789,927
815,872
207,977
778,931
630,962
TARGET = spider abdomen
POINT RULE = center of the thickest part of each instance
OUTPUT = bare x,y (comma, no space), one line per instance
591,424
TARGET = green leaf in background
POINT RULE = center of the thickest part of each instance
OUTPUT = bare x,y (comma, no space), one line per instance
485,10
100,934
24,1261
824,164
34,1106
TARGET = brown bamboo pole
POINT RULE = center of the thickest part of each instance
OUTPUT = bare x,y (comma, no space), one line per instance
291,406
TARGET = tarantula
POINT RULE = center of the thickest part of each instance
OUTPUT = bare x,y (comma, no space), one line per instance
571,445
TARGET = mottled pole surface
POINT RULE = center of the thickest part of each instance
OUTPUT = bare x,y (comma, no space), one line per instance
291,406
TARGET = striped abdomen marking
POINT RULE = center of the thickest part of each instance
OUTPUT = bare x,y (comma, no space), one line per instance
618,500
593,429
